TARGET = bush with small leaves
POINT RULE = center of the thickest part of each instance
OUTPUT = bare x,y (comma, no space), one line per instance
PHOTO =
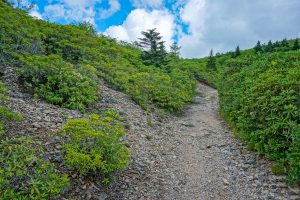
260,98
59,82
5,113
24,175
94,145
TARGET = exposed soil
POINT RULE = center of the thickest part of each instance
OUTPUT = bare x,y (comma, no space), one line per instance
194,156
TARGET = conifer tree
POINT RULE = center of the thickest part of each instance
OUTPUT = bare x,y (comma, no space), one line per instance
211,63
296,45
258,48
284,43
153,48
269,47
175,50
237,51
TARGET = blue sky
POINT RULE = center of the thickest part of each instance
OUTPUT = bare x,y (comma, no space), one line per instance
197,25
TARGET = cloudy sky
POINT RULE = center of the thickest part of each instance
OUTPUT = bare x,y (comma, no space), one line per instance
197,25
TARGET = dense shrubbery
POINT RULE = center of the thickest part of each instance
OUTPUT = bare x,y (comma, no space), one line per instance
23,175
5,113
59,82
260,98
45,51
94,145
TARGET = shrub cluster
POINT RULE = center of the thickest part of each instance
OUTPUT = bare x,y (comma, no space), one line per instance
23,175
260,98
51,57
167,91
94,145
5,113
59,82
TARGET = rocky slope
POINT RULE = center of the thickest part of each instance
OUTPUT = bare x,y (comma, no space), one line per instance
194,156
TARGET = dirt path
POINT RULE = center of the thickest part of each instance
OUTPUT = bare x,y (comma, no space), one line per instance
195,156
190,157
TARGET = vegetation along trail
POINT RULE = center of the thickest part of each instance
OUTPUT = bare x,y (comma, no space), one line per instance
84,115
194,156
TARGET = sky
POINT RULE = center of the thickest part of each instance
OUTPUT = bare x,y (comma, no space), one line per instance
196,25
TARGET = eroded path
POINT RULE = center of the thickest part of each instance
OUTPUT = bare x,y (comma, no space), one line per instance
195,156
190,157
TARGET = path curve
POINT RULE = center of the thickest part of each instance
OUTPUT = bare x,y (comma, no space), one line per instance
195,156
191,157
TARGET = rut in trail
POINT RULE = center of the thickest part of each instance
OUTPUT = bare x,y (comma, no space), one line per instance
194,156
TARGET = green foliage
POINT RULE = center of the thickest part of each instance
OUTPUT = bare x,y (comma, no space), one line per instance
258,48
259,96
278,169
94,145
237,52
48,54
175,50
23,175
5,113
211,62
154,52
169,92
59,82
296,45
269,47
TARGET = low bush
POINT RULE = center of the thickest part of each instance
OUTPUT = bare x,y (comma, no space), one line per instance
94,145
6,114
260,98
59,82
23,175
51,55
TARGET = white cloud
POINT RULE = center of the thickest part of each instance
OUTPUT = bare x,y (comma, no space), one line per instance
147,3
141,20
55,11
114,7
80,10
34,12
193,14
222,26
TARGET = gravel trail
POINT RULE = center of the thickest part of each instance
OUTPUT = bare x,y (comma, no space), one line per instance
189,157
194,156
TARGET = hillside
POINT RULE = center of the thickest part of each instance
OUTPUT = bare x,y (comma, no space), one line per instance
84,116
260,99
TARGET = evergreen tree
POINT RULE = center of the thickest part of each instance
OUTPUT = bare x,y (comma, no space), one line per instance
237,51
276,44
284,43
296,45
258,48
269,47
211,63
153,48
175,50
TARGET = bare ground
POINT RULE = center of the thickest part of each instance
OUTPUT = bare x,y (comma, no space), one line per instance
194,156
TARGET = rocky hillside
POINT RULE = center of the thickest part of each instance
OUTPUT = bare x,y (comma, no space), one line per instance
193,156
83,116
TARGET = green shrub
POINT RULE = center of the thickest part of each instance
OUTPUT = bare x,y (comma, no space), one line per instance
23,175
260,98
293,157
57,78
94,145
5,113
59,82
278,169
167,91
